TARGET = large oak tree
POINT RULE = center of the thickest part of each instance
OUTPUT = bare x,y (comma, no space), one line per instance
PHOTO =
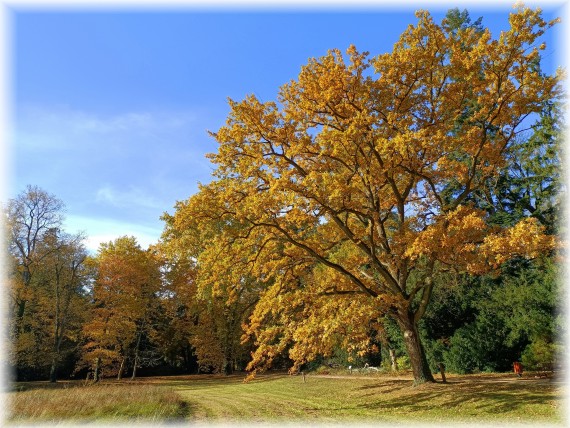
354,190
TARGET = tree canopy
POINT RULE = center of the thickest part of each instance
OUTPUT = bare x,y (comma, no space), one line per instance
364,169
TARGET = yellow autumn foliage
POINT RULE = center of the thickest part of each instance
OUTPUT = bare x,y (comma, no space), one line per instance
358,178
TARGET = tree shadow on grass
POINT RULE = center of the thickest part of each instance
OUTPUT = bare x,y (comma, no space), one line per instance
386,387
491,398
185,412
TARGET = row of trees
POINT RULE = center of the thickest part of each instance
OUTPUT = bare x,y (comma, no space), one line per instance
118,310
126,308
404,206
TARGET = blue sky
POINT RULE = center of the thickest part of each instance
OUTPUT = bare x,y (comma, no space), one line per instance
111,108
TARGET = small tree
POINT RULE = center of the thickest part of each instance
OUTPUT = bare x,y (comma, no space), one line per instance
541,355
30,216
46,283
125,295
220,294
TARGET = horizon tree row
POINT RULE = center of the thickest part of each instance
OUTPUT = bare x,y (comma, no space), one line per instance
121,309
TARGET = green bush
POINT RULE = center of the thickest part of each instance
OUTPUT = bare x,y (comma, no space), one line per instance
403,362
479,324
540,355
480,347
314,364
323,370
435,350
460,357
386,364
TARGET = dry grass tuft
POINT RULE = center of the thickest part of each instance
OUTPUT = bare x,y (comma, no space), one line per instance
105,401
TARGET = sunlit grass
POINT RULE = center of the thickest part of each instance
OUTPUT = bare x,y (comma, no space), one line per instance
279,397
328,399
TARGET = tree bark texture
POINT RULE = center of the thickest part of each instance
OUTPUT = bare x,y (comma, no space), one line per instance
416,352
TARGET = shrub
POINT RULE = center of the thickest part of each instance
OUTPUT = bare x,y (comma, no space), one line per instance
460,358
435,350
403,362
323,370
540,355
386,365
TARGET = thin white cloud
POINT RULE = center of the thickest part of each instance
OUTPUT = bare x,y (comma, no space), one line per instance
132,166
61,127
116,173
133,197
99,230
129,121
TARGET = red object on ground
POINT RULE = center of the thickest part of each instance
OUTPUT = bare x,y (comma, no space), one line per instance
518,368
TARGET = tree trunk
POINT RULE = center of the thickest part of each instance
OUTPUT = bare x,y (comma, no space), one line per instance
27,278
418,360
134,375
96,373
19,319
136,362
55,359
121,368
228,367
227,364
442,371
393,360
53,370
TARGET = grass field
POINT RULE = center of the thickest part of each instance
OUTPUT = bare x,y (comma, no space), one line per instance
279,398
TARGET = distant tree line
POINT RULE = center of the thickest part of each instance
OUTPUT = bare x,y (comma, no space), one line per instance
106,314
